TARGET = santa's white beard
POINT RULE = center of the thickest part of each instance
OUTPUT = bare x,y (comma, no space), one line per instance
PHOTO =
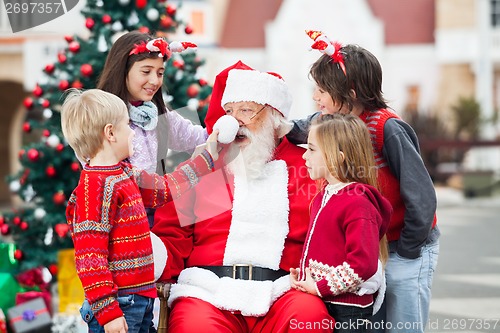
256,154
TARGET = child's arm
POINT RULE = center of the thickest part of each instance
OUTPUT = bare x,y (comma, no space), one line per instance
416,187
183,135
300,130
157,191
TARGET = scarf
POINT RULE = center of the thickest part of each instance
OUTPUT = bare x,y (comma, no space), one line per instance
144,116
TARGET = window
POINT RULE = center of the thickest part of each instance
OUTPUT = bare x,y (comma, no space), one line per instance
495,13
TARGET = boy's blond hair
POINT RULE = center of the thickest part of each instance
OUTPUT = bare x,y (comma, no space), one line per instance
84,115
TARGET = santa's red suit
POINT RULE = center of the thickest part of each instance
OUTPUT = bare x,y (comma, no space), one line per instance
230,220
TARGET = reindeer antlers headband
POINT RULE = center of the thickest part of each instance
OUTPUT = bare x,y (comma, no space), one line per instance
324,45
161,46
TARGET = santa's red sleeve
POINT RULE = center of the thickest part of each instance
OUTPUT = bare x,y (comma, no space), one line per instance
177,239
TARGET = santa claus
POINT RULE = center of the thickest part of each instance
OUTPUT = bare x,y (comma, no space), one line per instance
232,240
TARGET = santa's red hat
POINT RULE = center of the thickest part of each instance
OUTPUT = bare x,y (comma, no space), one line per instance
241,83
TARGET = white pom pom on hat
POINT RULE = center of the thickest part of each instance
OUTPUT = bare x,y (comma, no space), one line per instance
253,86
228,128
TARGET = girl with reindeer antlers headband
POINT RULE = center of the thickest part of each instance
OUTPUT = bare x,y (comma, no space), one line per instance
349,81
134,72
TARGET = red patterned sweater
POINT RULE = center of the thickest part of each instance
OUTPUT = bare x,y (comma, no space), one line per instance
110,230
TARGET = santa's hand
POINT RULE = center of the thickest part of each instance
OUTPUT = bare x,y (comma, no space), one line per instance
373,284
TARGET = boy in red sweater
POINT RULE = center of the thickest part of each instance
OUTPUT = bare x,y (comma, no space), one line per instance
106,211
349,218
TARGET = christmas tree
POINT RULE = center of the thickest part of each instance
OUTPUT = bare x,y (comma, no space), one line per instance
50,170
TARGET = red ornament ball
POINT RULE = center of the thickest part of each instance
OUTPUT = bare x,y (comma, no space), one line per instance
24,225
75,166
60,147
50,171
166,21
21,153
106,19
62,58
89,23
140,4
49,69
193,90
38,91
28,102
188,30
144,30
63,85
18,254
16,220
77,84
59,198
74,47
2,220
178,64
171,9
46,133
53,269
5,229
202,82
61,229
68,38
86,70
45,103
33,155
26,127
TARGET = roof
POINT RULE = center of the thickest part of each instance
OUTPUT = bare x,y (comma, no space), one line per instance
406,21
246,21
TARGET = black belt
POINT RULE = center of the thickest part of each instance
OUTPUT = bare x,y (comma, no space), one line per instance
246,272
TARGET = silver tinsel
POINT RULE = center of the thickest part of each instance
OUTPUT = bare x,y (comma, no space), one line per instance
65,323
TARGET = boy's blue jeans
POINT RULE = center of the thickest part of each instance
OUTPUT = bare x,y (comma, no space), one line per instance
138,312
408,295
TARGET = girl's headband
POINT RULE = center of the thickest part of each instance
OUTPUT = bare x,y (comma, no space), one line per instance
161,46
324,45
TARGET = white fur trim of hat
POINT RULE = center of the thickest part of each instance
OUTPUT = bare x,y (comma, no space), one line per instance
254,86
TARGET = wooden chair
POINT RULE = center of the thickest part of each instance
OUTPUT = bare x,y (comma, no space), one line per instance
163,290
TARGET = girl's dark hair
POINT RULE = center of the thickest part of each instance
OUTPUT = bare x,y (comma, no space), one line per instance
363,75
118,64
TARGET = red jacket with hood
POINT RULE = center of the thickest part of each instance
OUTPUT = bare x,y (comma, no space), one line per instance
342,244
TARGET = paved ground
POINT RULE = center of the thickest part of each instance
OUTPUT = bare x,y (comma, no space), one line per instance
466,290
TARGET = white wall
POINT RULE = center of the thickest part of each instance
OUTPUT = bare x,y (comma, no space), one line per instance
347,21
410,65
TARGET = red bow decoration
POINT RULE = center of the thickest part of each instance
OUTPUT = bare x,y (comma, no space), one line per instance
176,46
162,47
324,45
156,45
